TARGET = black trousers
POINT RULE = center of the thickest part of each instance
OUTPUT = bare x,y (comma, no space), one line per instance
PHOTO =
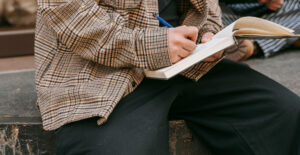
233,109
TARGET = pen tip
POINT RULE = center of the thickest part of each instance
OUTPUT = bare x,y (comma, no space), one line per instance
154,14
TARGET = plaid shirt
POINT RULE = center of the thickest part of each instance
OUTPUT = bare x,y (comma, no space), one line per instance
91,53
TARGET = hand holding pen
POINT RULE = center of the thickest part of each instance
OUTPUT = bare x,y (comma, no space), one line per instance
181,40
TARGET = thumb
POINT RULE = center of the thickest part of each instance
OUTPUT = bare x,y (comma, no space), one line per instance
207,37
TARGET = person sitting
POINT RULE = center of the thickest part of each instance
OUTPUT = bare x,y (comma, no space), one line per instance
90,56
286,13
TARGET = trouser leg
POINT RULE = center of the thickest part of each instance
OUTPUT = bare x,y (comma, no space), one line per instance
137,126
234,109
238,111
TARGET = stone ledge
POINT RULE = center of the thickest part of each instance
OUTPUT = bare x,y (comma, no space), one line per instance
21,130
17,139
25,139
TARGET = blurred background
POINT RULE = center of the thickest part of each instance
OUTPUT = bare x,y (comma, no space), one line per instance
17,20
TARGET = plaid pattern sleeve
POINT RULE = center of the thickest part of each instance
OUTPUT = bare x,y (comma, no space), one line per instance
99,35
212,23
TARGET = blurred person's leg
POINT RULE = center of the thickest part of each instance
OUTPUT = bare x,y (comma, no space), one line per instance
228,16
288,15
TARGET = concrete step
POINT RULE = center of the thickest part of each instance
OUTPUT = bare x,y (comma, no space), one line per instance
30,139
25,139
16,63
21,130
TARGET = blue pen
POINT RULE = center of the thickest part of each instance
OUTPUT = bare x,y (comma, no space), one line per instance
162,21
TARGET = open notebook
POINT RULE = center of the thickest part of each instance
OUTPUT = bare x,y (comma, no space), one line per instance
245,27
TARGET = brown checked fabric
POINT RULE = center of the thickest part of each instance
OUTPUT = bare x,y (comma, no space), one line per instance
89,54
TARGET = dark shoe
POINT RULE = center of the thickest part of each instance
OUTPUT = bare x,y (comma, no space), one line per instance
297,43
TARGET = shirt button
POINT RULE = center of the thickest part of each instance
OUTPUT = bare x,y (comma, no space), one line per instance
133,83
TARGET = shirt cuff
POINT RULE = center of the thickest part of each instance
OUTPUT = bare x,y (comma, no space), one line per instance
156,48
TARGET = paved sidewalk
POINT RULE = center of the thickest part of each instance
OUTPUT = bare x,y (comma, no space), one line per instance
283,68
